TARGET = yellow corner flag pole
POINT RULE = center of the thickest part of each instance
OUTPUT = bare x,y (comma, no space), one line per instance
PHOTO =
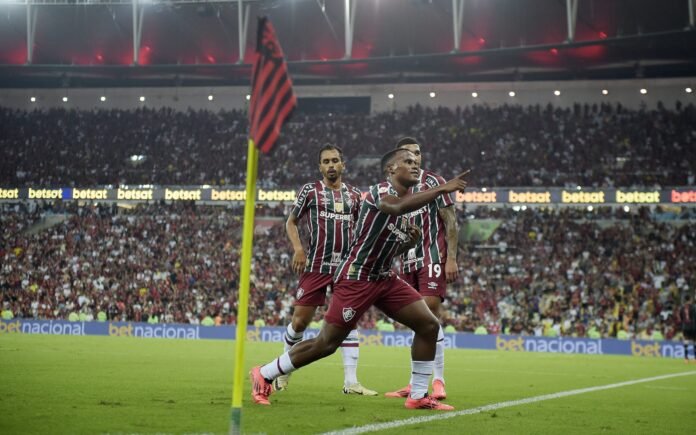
243,301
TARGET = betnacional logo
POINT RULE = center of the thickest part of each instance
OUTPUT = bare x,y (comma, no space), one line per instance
649,350
684,196
529,197
582,197
636,197
550,345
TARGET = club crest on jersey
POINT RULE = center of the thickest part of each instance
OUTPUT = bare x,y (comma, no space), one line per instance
348,314
300,292
349,202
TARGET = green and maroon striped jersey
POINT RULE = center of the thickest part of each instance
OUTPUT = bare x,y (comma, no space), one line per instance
331,216
432,248
376,240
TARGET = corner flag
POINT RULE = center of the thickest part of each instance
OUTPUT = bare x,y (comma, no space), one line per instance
272,102
272,99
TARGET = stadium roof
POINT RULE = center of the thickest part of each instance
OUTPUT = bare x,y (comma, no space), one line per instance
86,43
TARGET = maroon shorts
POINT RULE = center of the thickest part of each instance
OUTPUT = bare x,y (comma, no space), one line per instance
429,280
352,298
312,288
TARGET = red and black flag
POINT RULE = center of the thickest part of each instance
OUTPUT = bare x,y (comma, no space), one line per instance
272,99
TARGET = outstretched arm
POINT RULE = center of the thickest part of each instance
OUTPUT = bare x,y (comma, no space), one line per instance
396,206
450,219
299,258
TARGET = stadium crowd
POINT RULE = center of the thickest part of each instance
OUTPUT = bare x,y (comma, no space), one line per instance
599,145
541,272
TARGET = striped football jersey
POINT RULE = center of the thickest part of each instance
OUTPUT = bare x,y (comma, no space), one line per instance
331,216
376,240
432,248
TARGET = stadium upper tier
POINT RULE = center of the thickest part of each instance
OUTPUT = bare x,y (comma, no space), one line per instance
601,146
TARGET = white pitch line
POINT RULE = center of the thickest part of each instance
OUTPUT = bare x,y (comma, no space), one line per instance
494,406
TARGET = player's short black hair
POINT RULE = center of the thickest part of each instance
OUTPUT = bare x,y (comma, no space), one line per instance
407,140
388,157
329,147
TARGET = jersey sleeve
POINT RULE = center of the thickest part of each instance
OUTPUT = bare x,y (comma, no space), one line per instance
442,201
303,200
379,191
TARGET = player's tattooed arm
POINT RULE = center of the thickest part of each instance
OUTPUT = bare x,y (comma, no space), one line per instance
452,235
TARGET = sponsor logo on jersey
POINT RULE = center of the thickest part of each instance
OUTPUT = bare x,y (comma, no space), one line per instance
432,285
337,216
348,314
338,207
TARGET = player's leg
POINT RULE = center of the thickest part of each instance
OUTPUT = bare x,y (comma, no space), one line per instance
403,304
350,350
302,354
310,294
434,303
412,280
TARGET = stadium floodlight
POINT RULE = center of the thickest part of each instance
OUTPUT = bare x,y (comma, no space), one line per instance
523,208
433,95
643,91
483,189
142,98
248,97
605,92
32,99
516,208
390,96
512,93
474,94
627,208
590,208
65,99
102,98
578,187
210,97
557,92
688,90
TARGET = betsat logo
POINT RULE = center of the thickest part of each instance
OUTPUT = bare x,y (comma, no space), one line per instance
154,331
551,345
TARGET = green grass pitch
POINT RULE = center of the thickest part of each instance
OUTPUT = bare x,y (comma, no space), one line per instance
86,385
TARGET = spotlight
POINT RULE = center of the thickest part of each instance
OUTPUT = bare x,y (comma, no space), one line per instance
474,94
65,99
102,98
432,95
511,93
605,92
688,90
643,91
557,92
390,96
32,99
210,98
248,97
142,98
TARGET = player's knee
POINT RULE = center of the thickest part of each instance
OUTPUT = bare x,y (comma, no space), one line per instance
299,324
327,347
428,328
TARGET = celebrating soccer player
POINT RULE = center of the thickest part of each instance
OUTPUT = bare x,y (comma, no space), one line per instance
331,207
432,263
364,278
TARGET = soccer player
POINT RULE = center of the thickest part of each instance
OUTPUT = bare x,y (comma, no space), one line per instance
432,263
687,314
331,207
364,278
